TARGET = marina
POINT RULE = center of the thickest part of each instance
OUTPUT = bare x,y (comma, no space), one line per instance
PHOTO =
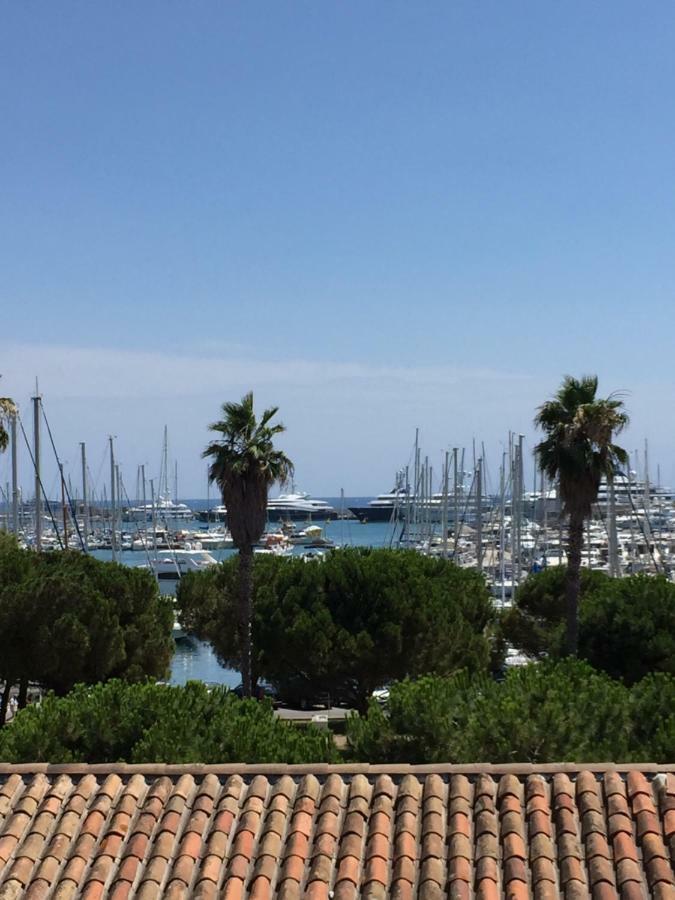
461,510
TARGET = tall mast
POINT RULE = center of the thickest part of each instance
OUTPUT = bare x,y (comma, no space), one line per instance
416,491
502,523
479,515
15,476
38,481
154,516
646,477
145,509
113,506
611,527
455,487
118,486
64,509
446,467
85,496
166,462
175,482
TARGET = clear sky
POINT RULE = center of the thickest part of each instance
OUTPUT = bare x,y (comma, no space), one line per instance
378,215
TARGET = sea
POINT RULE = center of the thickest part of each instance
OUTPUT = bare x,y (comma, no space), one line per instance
194,660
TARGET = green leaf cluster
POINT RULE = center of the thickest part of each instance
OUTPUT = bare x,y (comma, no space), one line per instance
626,625
145,723
543,712
67,618
354,621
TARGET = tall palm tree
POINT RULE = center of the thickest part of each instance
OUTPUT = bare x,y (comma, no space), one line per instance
578,452
7,411
245,463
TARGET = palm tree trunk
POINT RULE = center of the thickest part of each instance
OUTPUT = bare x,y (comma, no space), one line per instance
575,542
245,606
4,704
23,693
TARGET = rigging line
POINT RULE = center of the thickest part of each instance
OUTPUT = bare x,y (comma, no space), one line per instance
458,531
42,487
94,483
642,527
65,487
140,530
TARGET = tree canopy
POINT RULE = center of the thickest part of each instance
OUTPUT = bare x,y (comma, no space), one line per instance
351,622
68,618
626,625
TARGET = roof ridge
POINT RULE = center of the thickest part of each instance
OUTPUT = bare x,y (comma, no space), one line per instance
324,769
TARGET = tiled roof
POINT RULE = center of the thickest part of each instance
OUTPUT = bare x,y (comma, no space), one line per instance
344,832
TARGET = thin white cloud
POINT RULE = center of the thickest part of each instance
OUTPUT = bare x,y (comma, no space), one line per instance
85,372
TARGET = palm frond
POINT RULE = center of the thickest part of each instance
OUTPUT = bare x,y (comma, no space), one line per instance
578,449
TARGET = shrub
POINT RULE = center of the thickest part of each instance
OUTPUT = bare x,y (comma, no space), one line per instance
141,723
543,712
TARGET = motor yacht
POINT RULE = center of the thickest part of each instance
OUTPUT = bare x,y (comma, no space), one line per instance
172,564
298,506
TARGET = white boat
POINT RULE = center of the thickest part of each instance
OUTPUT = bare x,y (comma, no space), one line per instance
165,508
172,564
296,506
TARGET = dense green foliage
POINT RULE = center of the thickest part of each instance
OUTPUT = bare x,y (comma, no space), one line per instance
67,618
354,621
626,625
544,712
141,723
536,621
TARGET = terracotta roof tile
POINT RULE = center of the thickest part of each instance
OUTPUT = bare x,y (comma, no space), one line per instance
284,833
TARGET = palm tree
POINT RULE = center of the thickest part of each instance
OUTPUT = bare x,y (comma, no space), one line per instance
7,412
245,463
578,452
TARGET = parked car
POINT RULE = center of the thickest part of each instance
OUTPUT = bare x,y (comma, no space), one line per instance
298,692
262,691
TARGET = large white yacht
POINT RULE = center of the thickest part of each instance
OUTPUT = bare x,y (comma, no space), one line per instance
298,506
165,508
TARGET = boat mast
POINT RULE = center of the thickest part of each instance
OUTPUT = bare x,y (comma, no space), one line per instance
85,498
154,516
145,509
64,510
611,527
113,508
502,524
118,485
455,488
166,462
479,514
446,467
15,475
413,535
36,456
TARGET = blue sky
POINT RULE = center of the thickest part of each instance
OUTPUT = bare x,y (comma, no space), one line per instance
378,215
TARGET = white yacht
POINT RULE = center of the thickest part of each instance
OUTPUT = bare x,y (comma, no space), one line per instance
172,564
298,505
165,508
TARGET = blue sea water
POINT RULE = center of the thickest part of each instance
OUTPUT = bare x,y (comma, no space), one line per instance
196,661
